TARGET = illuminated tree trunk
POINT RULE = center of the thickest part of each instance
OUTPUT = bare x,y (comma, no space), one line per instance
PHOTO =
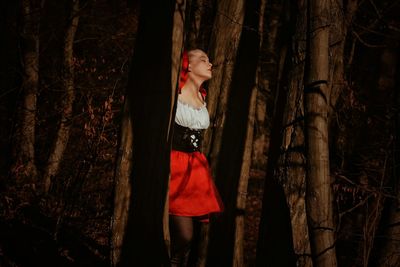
178,39
232,140
63,132
122,186
290,167
319,197
223,48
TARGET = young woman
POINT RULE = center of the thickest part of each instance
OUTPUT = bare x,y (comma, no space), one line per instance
192,193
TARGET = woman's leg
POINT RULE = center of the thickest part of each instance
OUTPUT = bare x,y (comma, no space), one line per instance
181,230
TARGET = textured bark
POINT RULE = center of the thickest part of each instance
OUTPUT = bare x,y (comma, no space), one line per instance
178,38
197,13
338,38
232,140
223,49
224,43
290,169
241,197
319,196
122,186
201,18
63,132
25,168
267,81
238,256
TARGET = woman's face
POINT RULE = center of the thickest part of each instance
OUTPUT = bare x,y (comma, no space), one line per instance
199,64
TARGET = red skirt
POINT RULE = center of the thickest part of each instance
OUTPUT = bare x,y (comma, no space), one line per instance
192,191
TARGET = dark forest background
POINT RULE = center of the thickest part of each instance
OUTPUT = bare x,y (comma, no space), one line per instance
303,143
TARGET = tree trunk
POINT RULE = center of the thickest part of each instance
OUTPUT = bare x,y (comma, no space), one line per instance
25,167
201,18
63,132
275,240
197,13
267,81
223,48
238,256
122,189
338,39
319,198
274,244
224,44
178,39
290,166
241,198
230,149
150,98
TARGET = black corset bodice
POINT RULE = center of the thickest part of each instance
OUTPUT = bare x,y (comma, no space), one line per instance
186,139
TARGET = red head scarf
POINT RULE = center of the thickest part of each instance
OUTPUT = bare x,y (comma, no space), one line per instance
184,70
185,73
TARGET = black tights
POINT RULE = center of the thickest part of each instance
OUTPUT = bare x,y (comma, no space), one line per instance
181,230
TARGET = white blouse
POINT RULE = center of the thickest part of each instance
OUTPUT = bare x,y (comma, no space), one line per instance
192,117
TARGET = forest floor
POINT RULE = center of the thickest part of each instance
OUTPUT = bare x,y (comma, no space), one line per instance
30,237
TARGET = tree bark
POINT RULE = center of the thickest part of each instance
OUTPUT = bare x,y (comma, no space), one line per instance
319,198
122,190
223,48
63,132
178,39
238,256
122,186
274,244
229,151
267,81
275,234
338,39
25,168
241,197
150,99
197,13
201,19
290,170
224,44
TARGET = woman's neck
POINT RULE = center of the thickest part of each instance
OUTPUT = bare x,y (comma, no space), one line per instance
192,86
190,94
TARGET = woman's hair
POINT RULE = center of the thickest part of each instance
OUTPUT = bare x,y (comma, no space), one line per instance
185,73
